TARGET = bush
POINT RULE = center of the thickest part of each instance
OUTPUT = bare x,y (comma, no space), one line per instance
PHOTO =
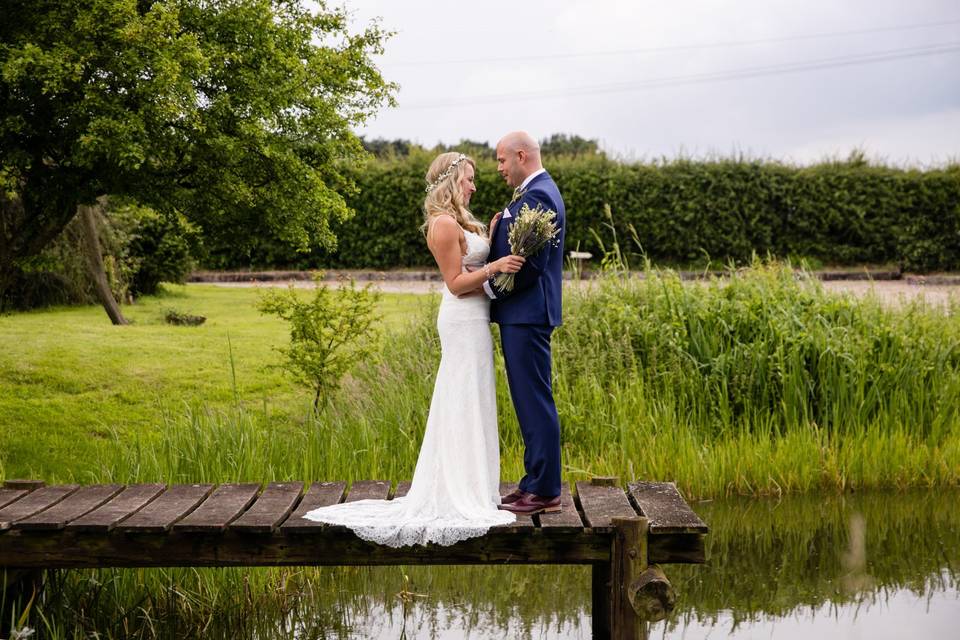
158,246
330,333
141,247
840,213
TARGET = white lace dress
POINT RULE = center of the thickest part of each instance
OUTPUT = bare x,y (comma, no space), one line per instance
455,489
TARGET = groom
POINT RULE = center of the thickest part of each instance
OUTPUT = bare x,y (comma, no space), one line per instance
527,316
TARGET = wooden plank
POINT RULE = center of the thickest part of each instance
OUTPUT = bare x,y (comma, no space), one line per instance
271,508
321,494
172,505
368,490
677,548
522,523
601,504
665,509
35,502
403,488
81,501
568,518
330,546
8,496
223,506
126,503
26,485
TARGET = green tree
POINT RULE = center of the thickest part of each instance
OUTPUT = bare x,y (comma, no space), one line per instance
383,148
237,114
561,144
329,333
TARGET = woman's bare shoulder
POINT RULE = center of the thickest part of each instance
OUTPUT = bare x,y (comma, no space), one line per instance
444,226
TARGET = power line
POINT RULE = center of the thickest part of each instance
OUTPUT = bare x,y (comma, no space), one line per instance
731,74
670,48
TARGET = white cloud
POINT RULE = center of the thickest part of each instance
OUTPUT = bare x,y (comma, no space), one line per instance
900,106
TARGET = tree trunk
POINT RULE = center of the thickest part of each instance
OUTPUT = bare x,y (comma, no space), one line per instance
91,246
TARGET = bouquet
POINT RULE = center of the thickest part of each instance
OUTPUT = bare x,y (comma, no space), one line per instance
533,230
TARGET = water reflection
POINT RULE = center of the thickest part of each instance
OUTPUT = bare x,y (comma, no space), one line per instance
895,614
854,566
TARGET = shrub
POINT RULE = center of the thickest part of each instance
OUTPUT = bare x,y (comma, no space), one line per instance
684,211
329,333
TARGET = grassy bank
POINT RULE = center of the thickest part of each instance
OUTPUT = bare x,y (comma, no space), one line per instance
759,384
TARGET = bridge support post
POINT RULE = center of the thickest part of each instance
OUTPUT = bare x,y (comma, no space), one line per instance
600,599
628,561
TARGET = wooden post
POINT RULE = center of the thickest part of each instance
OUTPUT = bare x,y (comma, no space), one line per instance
628,562
28,485
605,481
652,595
601,597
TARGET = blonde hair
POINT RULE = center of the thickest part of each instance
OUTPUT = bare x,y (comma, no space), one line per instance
444,196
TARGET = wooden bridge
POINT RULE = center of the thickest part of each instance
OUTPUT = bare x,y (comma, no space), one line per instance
622,533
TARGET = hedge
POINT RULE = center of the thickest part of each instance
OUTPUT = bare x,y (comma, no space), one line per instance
840,213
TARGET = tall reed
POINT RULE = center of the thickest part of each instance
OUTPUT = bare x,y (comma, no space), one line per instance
758,383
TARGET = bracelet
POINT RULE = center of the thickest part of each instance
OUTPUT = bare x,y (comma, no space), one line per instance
486,270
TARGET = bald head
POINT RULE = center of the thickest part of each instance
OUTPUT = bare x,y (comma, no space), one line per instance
518,155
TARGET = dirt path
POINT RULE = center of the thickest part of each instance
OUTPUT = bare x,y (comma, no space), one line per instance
897,291
891,291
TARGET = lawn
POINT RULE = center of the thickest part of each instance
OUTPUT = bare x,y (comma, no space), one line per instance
71,381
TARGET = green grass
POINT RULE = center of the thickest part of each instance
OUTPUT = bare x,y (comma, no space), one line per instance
757,384
762,383
77,389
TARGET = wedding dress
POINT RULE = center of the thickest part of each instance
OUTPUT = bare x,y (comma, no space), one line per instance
456,484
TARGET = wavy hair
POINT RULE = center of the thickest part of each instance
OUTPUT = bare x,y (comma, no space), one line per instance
446,197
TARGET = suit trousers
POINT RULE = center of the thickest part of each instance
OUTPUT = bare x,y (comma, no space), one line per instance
526,352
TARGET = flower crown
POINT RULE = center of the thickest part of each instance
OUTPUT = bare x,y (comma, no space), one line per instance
446,174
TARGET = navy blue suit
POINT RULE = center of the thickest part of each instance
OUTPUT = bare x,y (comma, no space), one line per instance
527,316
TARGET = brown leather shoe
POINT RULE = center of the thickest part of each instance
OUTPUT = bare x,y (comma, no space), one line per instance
530,504
512,497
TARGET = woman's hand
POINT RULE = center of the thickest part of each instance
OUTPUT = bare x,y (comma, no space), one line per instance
493,223
506,264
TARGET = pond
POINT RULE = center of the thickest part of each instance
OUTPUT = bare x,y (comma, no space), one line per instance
877,565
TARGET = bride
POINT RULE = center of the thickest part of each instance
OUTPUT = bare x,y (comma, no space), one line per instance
455,489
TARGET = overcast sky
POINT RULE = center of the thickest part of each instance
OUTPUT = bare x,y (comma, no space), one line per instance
686,77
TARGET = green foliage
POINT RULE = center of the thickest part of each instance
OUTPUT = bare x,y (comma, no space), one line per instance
141,247
561,144
235,114
159,246
330,333
683,212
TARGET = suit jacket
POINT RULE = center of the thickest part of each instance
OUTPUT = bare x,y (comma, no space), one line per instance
537,294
